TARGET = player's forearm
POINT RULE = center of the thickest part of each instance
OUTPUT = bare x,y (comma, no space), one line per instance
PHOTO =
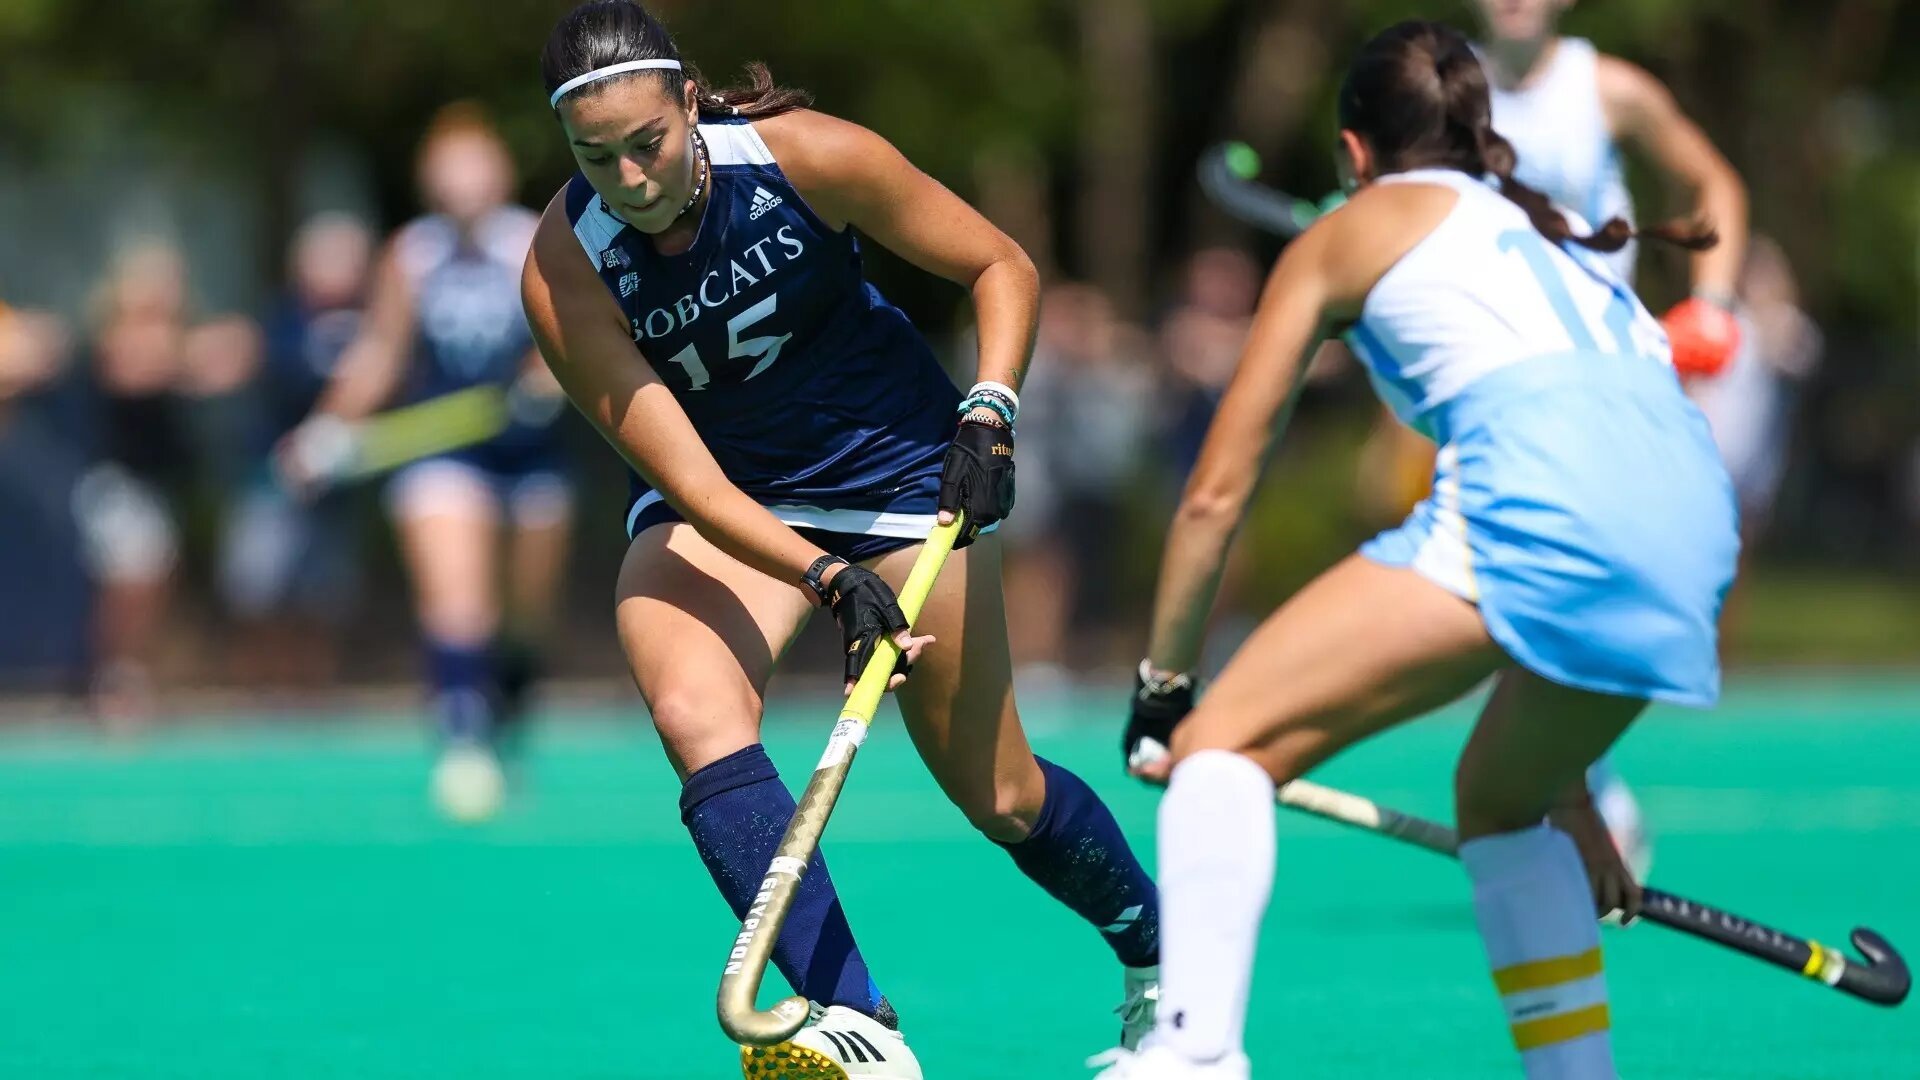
744,529
1723,199
1006,304
1190,573
1248,425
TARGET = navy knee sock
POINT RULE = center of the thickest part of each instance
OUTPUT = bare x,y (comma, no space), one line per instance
461,677
737,810
1077,853
516,668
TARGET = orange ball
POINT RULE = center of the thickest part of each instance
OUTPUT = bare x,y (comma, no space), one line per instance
1704,336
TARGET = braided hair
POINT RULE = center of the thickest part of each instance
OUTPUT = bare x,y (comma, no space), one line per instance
1418,95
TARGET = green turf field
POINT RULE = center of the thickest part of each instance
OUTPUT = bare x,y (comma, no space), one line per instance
255,899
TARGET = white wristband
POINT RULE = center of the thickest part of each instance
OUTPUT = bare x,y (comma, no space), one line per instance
998,388
1158,682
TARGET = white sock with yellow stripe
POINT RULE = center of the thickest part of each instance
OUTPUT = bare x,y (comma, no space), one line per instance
1535,909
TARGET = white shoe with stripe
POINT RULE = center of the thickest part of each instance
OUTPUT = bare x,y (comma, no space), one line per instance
837,1044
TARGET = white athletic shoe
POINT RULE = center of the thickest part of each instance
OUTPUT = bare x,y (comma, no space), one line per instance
1140,1006
467,784
1160,1063
837,1044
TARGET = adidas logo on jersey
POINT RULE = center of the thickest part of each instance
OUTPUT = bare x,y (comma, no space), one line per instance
763,201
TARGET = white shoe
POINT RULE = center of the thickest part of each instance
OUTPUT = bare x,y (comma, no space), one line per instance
1160,1063
468,786
837,1044
1140,1006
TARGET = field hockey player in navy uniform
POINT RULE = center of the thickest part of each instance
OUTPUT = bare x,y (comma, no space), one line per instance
697,290
444,318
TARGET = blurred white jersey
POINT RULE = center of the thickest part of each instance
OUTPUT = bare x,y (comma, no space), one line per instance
1559,129
1483,291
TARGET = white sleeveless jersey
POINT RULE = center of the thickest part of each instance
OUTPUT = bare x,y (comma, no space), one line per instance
1559,129
1485,290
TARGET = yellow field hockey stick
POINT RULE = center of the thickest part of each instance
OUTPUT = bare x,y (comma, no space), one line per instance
753,948
438,425
331,453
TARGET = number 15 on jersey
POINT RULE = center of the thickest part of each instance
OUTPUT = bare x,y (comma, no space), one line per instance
766,347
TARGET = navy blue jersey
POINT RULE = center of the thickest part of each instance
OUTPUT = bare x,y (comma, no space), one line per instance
817,397
471,329
303,346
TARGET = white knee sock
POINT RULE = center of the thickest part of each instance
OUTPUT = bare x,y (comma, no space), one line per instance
1216,876
1535,910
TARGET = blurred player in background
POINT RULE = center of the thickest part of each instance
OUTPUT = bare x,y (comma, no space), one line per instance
43,643
33,352
1201,339
484,530
158,376
698,288
1750,404
1569,110
33,347
1086,402
290,570
1576,547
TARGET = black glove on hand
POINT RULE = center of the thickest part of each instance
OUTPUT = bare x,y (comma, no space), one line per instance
1158,706
978,476
868,613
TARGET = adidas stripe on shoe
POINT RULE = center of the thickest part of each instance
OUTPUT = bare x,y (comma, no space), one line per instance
837,1044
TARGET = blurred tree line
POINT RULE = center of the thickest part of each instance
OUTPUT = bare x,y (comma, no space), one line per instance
1074,121
1075,124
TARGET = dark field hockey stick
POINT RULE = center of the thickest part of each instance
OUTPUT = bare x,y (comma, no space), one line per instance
1881,978
753,948
1227,175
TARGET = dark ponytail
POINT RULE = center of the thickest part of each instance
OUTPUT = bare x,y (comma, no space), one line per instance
601,33
1418,95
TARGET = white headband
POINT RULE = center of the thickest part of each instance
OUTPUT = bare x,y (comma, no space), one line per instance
609,72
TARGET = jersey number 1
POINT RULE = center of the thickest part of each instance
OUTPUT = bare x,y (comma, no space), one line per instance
1620,314
766,348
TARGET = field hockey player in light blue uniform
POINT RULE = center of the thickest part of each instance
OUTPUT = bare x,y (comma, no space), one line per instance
1570,110
1577,545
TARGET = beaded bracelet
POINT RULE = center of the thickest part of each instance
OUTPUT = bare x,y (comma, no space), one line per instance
983,401
996,396
997,390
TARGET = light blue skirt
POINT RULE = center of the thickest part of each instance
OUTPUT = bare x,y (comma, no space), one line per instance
1580,502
